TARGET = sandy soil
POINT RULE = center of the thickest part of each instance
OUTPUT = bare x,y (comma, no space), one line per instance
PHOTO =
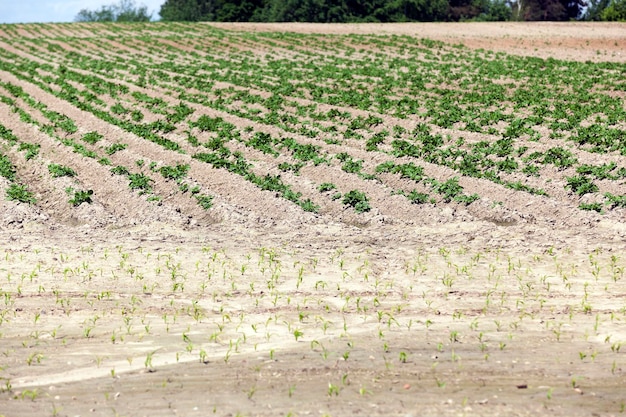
126,307
579,41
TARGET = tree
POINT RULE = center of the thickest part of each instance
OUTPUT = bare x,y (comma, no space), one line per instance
127,12
493,11
616,11
124,11
416,10
327,11
181,11
595,9
462,10
551,10
105,14
210,10
321,11
237,10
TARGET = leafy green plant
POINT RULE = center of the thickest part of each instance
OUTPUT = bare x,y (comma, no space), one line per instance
519,186
615,200
8,135
140,182
81,196
372,143
326,186
448,189
19,192
6,168
120,170
351,166
57,170
136,115
295,168
117,108
110,150
92,137
174,173
206,123
591,207
604,171
181,111
308,205
559,157
205,201
417,198
581,184
466,199
32,150
358,200
263,142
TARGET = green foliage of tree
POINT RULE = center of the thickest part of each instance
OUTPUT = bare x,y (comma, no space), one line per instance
595,9
124,11
547,10
181,10
321,11
615,12
211,10
492,10
346,11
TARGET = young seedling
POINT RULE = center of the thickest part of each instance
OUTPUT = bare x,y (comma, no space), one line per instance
333,390
148,361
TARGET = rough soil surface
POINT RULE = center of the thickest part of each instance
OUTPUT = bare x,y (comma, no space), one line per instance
580,41
133,307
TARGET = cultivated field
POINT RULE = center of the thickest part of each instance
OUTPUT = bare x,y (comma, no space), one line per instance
238,219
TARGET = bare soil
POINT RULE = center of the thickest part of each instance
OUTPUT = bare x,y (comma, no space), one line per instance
577,41
257,308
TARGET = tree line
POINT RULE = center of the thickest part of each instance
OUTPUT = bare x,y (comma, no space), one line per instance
357,11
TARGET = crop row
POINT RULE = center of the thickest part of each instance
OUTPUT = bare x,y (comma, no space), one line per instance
64,130
184,305
386,95
15,191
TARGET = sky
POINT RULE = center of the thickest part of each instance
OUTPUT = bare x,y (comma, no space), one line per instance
45,11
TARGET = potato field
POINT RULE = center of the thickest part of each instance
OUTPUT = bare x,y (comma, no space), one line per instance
292,220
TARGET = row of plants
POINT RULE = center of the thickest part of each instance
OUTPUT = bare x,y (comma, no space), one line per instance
267,182
186,305
136,181
15,190
381,87
380,69
555,155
